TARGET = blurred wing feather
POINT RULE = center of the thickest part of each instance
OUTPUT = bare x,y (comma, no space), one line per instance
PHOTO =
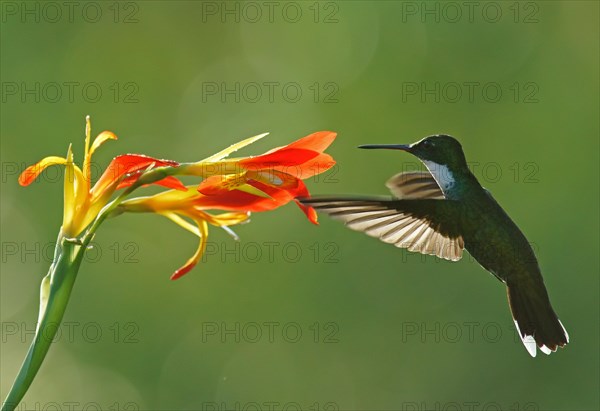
412,185
426,226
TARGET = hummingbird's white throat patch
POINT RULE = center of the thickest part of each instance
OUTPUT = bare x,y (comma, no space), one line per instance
441,174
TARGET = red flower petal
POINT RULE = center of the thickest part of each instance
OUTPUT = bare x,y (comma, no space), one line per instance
302,191
193,260
214,185
235,200
309,211
311,168
127,164
303,158
169,182
287,157
318,141
182,271
172,182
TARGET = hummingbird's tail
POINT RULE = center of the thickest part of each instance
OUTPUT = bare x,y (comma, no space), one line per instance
536,321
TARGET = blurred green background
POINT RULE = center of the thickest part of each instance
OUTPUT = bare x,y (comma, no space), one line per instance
381,328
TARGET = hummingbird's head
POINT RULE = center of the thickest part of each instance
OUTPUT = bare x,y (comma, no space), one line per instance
438,149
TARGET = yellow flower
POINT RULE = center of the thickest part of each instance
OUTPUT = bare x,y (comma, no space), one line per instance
82,202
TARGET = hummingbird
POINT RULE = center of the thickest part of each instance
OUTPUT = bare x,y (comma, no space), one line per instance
445,210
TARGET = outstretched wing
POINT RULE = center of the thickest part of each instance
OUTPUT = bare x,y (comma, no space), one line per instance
420,219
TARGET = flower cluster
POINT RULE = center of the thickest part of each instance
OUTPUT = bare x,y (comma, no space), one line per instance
236,186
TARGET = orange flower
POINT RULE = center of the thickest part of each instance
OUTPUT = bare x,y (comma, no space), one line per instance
82,202
276,175
240,186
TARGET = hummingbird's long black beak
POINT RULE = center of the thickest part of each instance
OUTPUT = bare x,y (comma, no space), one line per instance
402,147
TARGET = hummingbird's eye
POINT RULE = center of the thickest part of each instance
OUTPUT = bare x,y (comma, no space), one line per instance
427,144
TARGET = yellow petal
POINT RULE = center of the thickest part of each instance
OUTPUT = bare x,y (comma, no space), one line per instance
166,201
232,182
203,229
87,157
182,222
233,148
247,188
69,194
75,197
98,141
224,219
101,139
33,171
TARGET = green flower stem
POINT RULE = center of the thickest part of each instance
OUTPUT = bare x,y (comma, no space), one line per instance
56,287
54,296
